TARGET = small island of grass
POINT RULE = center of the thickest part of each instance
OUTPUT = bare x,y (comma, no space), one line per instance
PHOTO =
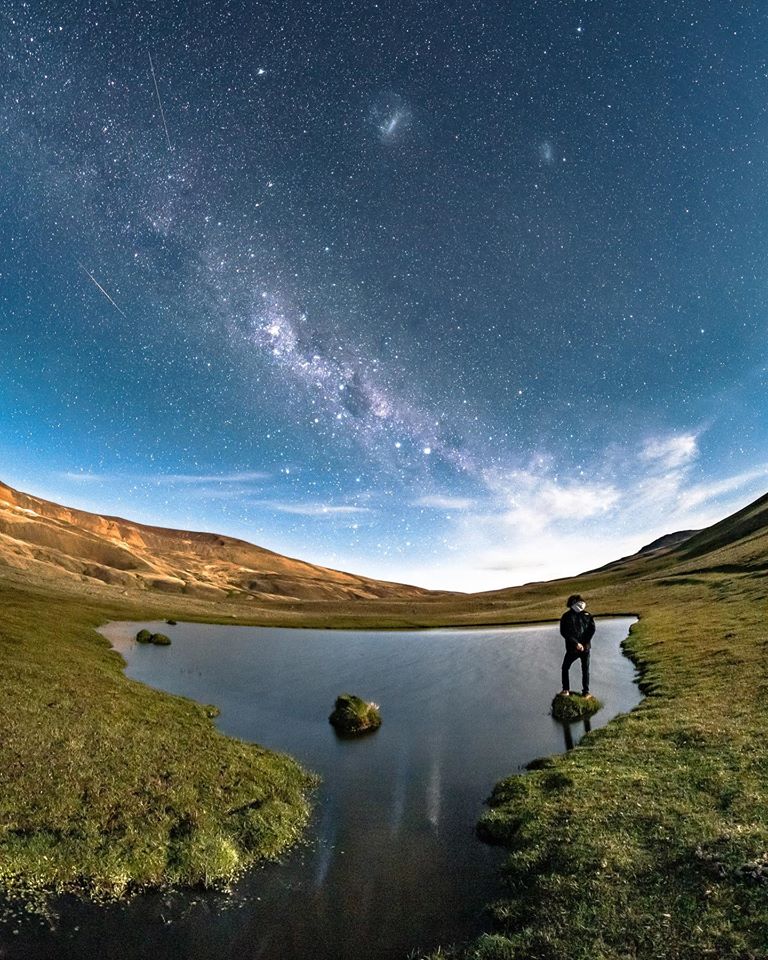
352,715
159,639
574,707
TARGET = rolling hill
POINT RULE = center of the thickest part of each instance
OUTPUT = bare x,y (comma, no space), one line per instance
59,542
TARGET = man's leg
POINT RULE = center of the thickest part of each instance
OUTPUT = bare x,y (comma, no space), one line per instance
568,659
585,673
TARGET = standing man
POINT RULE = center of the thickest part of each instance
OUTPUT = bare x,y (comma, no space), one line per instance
577,628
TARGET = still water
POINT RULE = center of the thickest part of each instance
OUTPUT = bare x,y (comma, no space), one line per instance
392,862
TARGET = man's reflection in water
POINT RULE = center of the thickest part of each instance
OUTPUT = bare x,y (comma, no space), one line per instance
568,729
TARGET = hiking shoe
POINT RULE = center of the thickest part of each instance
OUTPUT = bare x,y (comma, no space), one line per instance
588,696
564,693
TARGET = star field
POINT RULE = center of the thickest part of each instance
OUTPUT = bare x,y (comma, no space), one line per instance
459,294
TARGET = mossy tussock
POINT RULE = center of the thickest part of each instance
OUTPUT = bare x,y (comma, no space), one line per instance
573,707
352,715
158,639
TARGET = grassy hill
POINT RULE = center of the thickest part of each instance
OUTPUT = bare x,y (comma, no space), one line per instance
648,840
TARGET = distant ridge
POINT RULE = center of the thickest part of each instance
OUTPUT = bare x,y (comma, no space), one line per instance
656,547
668,540
748,525
63,543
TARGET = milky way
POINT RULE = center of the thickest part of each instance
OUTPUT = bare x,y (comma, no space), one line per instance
468,293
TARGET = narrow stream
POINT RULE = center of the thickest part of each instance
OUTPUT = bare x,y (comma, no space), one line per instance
392,862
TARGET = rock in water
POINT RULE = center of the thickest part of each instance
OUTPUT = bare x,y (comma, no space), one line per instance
574,707
351,715
143,636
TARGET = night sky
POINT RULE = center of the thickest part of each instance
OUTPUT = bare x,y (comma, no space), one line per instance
463,294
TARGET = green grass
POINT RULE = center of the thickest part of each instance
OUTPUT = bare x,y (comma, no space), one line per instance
107,786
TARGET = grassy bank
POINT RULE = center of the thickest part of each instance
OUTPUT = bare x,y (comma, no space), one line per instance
648,839
107,785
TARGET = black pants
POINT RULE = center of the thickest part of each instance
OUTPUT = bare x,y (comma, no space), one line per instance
571,656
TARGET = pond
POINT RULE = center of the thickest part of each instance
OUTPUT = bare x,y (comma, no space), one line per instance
392,862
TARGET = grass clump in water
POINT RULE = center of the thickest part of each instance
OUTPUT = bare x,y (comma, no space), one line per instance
574,707
352,715
158,639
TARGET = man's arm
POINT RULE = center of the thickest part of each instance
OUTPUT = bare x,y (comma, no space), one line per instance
590,631
566,630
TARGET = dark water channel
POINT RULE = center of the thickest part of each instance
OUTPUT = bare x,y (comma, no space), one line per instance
392,863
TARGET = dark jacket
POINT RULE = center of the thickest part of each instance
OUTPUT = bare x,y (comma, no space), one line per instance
577,628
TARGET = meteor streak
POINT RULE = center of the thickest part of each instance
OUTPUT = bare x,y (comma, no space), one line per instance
159,102
99,286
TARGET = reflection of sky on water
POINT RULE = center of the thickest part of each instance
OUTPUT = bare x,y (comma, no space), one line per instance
400,789
434,792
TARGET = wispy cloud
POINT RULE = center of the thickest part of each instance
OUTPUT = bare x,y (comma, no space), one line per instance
323,510
443,502
191,479
671,451
703,493
80,477
247,476
534,499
